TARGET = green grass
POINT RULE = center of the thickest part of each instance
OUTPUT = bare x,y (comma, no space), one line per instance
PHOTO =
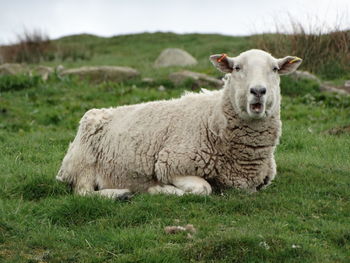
326,55
302,217
141,50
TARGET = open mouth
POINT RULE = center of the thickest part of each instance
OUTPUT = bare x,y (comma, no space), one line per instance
256,108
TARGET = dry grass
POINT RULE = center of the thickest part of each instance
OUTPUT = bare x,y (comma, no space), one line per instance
325,49
30,47
35,47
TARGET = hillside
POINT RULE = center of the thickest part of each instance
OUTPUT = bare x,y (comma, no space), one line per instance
141,50
302,217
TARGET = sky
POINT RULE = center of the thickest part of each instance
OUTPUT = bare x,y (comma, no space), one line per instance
58,18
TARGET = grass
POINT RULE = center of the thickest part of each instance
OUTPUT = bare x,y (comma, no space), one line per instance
30,47
36,47
302,217
325,49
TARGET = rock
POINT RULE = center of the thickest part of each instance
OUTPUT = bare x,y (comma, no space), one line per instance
199,79
148,80
174,57
103,73
161,88
175,229
13,69
42,71
59,68
16,69
329,87
324,86
298,74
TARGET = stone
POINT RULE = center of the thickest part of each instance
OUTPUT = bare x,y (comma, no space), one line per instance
59,68
299,74
199,79
100,74
148,80
13,69
174,57
161,88
329,87
324,86
17,69
42,71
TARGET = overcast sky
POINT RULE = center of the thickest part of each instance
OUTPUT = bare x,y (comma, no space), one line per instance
113,17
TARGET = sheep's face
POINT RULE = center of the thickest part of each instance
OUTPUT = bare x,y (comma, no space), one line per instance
254,80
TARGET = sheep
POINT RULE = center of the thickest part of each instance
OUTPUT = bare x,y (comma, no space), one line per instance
224,138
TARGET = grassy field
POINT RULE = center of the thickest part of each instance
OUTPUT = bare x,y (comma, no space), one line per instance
302,217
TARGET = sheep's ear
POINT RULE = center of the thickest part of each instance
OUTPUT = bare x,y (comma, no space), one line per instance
222,62
288,64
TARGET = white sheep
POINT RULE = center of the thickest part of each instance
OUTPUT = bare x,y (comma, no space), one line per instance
224,137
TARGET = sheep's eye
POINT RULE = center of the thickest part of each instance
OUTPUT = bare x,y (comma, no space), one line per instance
275,69
237,68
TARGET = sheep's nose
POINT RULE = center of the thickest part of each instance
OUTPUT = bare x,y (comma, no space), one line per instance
258,91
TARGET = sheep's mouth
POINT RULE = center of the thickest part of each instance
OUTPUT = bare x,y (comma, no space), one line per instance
257,108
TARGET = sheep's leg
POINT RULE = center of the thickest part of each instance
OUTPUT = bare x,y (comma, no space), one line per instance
165,189
192,185
116,194
86,186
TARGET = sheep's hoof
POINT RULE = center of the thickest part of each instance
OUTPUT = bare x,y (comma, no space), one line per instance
264,184
124,197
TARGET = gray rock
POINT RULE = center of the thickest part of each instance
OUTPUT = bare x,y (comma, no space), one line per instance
16,69
13,69
342,90
148,80
42,71
174,57
161,88
102,73
298,74
347,83
324,86
198,78
59,68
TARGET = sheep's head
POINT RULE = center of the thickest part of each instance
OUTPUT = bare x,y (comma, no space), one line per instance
255,81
